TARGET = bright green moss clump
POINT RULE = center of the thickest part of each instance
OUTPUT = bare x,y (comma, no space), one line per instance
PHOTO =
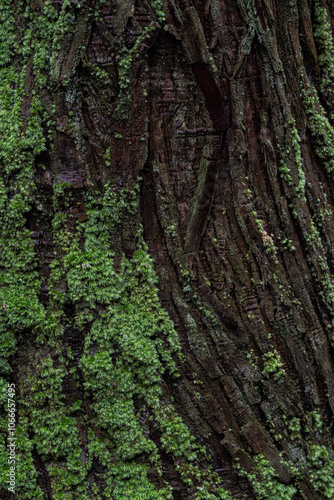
20,309
321,470
266,484
130,345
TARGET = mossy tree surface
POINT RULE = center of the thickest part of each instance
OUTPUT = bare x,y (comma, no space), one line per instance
166,248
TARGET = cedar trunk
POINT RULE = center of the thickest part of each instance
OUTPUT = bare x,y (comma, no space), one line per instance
167,239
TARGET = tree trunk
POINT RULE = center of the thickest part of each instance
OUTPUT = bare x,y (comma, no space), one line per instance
167,239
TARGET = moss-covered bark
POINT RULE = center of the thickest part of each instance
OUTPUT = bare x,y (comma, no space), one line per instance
166,250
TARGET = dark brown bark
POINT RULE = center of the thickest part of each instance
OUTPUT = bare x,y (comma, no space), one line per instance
223,110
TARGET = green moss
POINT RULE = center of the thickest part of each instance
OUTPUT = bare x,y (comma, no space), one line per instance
272,365
130,345
287,163
283,168
324,279
322,130
295,428
26,474
125,60
43,425
286,243
157,7
321,469
54,434
7,38
316,423
21,141
265,482
324,38
253,359
323,135
295,140
130,342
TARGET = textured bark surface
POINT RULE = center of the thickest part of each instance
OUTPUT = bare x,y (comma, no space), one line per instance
202,129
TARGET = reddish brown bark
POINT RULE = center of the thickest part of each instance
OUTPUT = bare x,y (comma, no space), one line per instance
208,125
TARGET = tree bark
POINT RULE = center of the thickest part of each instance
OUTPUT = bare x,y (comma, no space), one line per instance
167,237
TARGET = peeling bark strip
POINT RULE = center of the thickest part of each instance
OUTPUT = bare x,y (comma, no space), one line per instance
212,95
203,197
205,190
166,208
259,10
